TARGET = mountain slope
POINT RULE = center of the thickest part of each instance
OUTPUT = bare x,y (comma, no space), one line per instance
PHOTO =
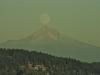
50,41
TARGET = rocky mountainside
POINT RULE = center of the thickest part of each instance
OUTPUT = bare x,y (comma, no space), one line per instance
49,40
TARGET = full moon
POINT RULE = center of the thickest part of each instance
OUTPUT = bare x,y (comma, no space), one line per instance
44,18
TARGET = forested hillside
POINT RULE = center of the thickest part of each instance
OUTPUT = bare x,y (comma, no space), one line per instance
24,62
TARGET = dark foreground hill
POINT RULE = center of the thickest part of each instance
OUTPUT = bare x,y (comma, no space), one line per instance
23,62
49,40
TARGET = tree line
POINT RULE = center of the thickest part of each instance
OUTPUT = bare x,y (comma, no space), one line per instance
11,61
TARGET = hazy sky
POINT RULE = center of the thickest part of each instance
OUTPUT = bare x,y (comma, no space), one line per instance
78,19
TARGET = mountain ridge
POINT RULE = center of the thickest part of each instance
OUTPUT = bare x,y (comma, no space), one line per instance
49,40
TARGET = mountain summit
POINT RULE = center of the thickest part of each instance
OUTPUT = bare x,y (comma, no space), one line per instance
49,40
45,32
47,35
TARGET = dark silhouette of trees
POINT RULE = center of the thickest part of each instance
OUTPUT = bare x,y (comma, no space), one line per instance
11,61
20,72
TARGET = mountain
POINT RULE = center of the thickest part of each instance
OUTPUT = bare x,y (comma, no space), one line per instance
49,40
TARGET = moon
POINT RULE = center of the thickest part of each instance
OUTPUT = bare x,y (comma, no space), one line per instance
44,18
